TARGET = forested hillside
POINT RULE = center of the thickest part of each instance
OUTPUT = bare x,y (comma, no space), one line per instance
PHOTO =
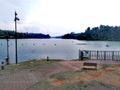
103,32
11,34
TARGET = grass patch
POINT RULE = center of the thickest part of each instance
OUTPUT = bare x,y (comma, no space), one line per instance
65,75
42,85
68,86
27,65
45,85
104,66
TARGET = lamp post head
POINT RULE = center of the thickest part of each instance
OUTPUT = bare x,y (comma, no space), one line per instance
16,18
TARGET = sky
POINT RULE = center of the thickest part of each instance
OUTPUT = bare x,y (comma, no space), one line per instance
58,17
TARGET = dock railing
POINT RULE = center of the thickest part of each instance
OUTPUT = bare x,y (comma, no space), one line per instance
99,55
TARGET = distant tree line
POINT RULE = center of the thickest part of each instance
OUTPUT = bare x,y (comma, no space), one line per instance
103,32
36,35
11,34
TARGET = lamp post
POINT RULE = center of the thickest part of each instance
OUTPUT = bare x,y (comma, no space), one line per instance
16,55
7,59
7,46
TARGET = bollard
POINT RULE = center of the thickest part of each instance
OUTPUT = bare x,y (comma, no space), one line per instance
2,66
47,58
81,55
7,61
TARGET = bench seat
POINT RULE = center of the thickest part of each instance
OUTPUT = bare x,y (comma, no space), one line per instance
89,66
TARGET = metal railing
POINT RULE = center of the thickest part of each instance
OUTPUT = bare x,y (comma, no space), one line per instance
99,55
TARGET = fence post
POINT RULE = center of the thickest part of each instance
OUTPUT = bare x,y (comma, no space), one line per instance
90,55
80,55
104,55
112,55
97,55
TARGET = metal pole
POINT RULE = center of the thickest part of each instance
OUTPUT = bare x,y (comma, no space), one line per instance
16,18
7,49
16,37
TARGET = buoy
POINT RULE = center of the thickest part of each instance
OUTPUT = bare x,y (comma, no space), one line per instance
107,45
33,44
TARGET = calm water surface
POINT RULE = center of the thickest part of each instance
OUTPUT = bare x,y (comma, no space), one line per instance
54,48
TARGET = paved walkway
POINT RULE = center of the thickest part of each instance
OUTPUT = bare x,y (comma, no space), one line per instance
23,79
17,81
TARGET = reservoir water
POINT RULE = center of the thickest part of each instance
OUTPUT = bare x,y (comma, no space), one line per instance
29,49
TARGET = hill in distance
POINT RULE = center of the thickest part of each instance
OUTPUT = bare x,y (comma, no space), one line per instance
11,34
103,32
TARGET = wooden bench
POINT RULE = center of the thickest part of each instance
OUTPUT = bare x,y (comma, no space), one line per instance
89,66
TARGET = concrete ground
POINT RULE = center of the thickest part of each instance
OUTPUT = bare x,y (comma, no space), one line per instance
22,78
24,75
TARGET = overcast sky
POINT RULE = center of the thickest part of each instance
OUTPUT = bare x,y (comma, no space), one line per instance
57,17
